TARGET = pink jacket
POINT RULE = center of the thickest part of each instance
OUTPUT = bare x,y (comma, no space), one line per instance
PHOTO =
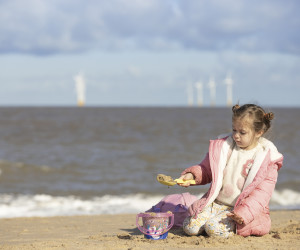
253,203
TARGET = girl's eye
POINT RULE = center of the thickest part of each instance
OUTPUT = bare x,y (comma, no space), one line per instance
243,133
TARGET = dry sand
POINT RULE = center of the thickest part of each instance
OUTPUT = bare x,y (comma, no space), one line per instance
120,232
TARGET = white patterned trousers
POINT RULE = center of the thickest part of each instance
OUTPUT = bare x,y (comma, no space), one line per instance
213,220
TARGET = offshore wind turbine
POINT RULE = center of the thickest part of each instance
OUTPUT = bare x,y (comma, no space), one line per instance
80,89
212,87
228,81
199,87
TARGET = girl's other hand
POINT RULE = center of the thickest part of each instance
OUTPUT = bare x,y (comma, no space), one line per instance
238,219
186,177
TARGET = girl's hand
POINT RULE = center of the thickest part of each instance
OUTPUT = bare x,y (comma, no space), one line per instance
236,218
186,177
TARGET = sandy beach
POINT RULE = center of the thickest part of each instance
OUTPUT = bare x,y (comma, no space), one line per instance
120,232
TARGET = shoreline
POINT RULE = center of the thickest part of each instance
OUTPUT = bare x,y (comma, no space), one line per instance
120,232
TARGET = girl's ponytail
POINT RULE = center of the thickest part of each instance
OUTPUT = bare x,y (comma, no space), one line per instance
267,120
269,116
235,108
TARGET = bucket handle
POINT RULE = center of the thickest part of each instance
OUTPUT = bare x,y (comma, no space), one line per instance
144,230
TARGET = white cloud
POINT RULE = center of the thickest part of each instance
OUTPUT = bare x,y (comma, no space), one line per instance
46,27
134,71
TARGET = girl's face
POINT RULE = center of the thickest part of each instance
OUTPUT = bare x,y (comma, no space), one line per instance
244,134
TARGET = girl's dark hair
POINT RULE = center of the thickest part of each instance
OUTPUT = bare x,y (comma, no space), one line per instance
261,119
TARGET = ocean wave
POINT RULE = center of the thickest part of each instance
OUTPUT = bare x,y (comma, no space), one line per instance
43,205
285,199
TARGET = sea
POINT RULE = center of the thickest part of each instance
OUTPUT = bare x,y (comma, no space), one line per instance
61,161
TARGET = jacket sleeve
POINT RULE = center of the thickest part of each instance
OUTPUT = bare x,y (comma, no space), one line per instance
258,200
201,172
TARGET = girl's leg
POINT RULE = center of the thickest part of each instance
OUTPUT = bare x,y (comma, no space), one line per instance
220,225
195,226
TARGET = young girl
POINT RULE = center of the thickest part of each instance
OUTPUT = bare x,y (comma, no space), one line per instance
242,168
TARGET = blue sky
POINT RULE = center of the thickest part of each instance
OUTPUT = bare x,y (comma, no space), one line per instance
146,52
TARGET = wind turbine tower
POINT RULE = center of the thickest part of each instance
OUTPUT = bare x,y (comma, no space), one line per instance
199,87
190,95
80,89
212,87
229,82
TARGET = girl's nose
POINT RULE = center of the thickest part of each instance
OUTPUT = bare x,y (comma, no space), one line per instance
235,135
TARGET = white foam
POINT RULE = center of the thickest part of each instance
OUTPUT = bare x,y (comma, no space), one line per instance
43,205
46,205
285,198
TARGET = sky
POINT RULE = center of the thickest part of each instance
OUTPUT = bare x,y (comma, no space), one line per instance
147,52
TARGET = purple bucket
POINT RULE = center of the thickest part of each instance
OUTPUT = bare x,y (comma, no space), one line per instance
155,225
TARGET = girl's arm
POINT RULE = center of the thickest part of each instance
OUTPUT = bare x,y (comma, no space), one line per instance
258,200
201,172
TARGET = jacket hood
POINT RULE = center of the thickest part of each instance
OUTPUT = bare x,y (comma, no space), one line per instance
268,145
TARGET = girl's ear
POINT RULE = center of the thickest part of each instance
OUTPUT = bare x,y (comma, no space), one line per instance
259,134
